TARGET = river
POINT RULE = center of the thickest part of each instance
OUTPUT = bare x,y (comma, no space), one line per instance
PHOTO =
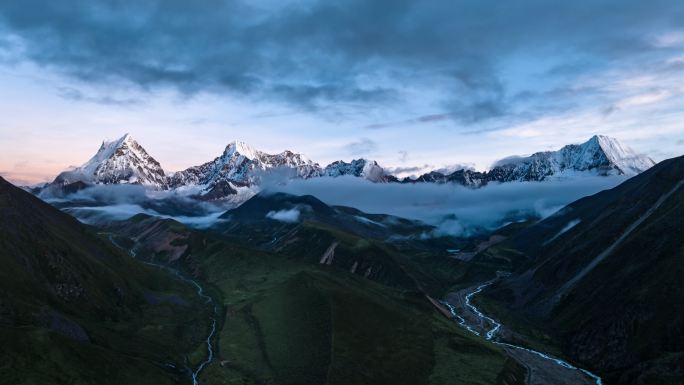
542,368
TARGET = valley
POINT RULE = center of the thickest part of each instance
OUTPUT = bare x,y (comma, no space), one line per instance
541,368
288,289
200,292
352,192
269,299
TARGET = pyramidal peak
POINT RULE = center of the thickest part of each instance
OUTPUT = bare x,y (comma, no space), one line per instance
126,139
622,156
120,161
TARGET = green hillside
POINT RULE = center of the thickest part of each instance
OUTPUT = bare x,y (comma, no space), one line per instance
293,320
75,310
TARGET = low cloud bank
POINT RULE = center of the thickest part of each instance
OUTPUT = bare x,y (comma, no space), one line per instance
454,209
103,203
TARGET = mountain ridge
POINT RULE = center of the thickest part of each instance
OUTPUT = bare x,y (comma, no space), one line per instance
240,168
600,155
602,276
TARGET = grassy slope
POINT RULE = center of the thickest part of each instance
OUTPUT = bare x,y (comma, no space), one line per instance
290,320
298,324
74,310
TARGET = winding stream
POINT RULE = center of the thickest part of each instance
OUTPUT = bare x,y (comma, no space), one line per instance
200,292
496,327
212,332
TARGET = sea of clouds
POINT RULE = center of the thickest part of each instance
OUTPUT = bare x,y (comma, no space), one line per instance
453,209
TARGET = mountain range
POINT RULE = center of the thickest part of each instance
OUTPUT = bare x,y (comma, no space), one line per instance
241,167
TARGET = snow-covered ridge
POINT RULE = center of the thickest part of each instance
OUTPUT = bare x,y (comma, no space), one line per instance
240,169
241,165
363,168
600,155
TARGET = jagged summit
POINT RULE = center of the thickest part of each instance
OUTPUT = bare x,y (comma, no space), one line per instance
242,165
119,161
363,168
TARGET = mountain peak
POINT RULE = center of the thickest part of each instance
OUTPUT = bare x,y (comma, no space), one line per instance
241,148
603,141
241,165
126,139
601,155
620,156
118,161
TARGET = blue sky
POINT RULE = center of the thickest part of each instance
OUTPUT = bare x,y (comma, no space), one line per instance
415,85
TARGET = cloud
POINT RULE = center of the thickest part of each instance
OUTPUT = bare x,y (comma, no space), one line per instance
409,170
363,146
74,94
288,216
448,169
412,121
471,57
414,171
510,160
452,208
102,203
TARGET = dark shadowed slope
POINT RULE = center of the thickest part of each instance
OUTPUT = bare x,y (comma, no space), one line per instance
387,249
605,278
75,310
270,209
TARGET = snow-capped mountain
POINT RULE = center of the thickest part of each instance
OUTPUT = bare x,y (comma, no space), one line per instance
600,155
363,168
118,162
240,170
241,165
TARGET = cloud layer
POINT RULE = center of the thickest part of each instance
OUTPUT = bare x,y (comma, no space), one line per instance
478,60
103,203
454,209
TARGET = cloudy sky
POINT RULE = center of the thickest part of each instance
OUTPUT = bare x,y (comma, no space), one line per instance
422,84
